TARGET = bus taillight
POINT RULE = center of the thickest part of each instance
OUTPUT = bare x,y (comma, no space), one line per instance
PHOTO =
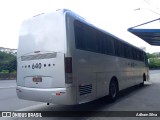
68,70
68,64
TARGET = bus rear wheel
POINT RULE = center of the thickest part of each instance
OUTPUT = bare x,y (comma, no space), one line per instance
113,90
144,79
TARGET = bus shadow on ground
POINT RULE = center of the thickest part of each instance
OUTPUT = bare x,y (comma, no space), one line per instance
131,91
100,104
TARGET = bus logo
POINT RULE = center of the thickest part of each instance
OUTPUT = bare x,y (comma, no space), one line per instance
36,66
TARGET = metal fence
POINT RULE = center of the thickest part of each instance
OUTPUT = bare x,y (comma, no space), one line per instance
8,76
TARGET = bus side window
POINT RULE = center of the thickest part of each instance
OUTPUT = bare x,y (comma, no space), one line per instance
119,48
99,39
79,37
90,39
109,45
146,60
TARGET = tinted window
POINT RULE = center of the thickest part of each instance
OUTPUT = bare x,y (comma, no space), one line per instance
106,44
91,39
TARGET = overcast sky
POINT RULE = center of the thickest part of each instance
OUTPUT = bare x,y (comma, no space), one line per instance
114,16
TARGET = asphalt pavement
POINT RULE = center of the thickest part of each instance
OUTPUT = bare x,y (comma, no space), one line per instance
136,98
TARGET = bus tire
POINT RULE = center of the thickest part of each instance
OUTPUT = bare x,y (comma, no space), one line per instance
113,90
144,79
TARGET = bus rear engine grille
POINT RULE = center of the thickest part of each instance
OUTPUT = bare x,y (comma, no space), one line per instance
38,56
85,89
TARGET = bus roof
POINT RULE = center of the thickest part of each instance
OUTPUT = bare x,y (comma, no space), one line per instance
90,24
63,11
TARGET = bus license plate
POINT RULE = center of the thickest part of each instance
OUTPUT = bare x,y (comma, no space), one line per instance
37,79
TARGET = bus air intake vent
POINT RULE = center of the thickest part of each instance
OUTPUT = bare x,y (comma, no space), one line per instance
38,56
85,89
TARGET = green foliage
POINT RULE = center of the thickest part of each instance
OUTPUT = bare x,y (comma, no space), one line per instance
154,63
8,62
154,60
151,55
4,71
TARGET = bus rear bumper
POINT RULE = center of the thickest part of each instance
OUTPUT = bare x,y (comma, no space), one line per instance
65,96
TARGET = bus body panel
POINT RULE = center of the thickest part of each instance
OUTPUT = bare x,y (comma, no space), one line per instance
43,68
41,51
41,60
64,96
45,32
93,71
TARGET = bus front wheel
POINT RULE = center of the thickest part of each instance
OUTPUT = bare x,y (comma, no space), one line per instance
113,90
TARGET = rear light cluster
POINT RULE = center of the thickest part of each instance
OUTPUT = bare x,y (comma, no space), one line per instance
68,65
68,70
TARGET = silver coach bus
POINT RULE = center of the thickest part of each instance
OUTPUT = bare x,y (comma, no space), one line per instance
63,59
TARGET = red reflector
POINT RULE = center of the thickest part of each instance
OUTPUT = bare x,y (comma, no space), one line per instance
68,64
58,94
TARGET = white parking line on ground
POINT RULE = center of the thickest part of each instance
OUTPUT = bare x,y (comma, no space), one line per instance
7,87
31,108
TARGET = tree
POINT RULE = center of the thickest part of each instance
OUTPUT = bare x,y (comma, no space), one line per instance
154,60
8,62
151,55
154,63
